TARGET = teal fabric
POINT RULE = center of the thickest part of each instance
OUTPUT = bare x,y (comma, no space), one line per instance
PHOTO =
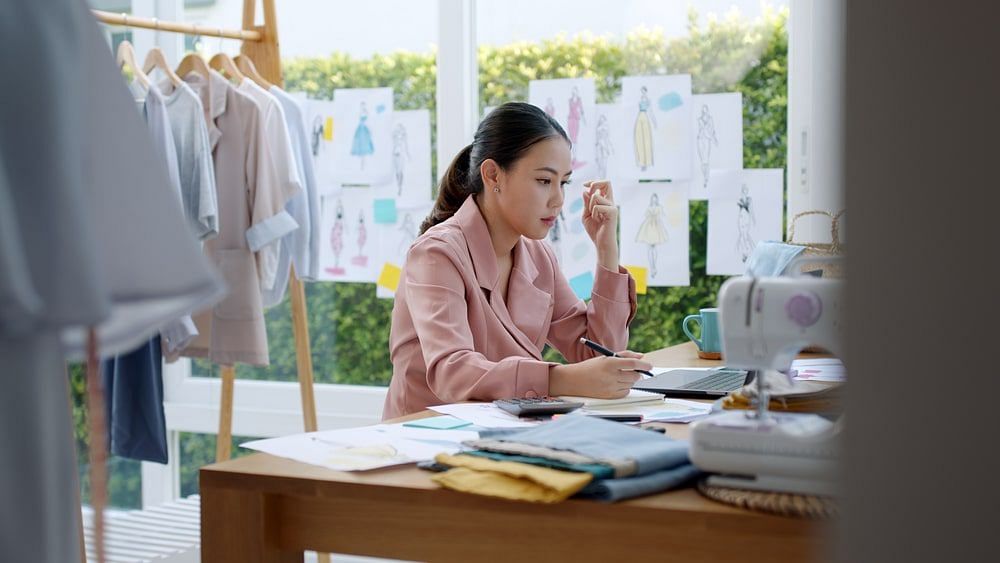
597,470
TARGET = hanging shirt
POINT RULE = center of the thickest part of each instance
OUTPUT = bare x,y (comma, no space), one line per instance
276,129
252,197
305,242
92,236
194,158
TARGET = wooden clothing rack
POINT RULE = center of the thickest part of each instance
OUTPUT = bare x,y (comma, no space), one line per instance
260,44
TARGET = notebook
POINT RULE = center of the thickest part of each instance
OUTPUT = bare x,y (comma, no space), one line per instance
634,396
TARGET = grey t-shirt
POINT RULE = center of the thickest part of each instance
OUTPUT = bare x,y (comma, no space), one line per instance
194,158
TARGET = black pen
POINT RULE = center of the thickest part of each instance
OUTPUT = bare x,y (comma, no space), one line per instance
595,346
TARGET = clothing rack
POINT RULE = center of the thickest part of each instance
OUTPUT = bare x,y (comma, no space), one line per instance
260,44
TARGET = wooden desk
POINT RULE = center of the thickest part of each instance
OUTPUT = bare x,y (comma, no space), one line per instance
262,508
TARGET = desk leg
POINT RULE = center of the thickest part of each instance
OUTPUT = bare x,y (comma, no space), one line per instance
240,527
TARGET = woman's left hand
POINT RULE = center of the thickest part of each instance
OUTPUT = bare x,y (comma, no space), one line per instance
600,219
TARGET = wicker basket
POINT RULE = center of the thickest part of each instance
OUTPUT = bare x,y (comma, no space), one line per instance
835,248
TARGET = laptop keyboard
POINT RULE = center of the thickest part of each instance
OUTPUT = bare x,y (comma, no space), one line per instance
719,381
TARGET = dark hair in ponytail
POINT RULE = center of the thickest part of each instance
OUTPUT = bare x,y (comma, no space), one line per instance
504,136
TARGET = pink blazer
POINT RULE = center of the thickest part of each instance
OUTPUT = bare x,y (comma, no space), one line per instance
454,339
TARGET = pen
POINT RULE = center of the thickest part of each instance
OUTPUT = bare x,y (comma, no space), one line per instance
595,346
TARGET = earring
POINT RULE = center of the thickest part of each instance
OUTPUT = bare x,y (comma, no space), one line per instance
496,189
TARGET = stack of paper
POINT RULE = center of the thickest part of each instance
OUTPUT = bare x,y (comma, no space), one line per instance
822,369
634,396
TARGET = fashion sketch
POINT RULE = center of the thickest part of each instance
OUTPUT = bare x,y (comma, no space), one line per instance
653,231
745,220
362,145
400,154
550,107
556,235
645,121
317,134
603,148
361,259
337,240
409,234
706,140
573,119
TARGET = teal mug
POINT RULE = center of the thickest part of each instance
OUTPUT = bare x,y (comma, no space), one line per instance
709,321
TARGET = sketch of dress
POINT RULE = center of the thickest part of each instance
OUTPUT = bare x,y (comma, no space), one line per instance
400,154
550,107
645,121
706,138
317,134
556,235
603,148
409,230
745,220
361,259
653,231
337,241
573,119
362,145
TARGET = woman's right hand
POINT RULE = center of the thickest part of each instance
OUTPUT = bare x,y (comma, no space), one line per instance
603,377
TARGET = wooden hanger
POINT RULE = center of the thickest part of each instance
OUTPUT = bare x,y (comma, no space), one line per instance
192,62
156,59
224,64
246,66
126,58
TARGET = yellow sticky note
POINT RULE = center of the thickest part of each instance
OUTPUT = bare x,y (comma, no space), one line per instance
389,278
639,274
328,129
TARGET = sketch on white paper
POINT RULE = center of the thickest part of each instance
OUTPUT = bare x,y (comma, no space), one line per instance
394,239
411,157
571,102
654,222
346,222
319,127
655,141
362,139
745,208
718,131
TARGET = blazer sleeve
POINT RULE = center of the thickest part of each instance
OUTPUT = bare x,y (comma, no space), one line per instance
456,371
604,320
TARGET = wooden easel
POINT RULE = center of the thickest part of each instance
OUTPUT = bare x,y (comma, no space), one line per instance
260,44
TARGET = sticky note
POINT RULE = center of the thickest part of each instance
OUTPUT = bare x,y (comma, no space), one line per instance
389,278
328,129
582,284
444,422
385,211
640,275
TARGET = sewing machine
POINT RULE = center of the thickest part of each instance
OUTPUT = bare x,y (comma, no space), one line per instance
765,323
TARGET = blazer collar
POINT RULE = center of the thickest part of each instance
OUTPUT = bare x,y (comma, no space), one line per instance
477,235
213,97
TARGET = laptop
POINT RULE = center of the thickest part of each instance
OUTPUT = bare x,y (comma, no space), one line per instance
695,383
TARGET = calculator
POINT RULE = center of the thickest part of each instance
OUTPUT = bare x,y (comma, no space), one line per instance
540,406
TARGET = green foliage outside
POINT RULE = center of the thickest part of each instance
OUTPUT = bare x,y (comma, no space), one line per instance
349,326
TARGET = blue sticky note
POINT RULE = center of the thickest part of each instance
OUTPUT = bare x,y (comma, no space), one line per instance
385,211
670,101
444,422
582,285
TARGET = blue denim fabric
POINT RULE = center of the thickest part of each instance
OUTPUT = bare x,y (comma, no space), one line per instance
601,439
770,258
133,390
613,490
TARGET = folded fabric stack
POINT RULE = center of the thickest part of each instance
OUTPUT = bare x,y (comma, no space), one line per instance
575,455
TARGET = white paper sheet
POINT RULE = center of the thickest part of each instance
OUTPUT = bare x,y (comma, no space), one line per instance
319,127
718,138
486,415
654,231
745,207
347,236
362,135
355,449
655,139
667,410
571,102
411,157
819,369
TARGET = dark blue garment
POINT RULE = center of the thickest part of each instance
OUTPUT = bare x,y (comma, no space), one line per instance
133,390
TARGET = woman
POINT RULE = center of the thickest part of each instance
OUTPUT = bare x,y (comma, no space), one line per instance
481,293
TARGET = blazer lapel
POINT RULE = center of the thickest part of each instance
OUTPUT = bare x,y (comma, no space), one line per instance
528,305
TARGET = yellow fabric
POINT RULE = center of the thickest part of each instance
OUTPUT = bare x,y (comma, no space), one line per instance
509,480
